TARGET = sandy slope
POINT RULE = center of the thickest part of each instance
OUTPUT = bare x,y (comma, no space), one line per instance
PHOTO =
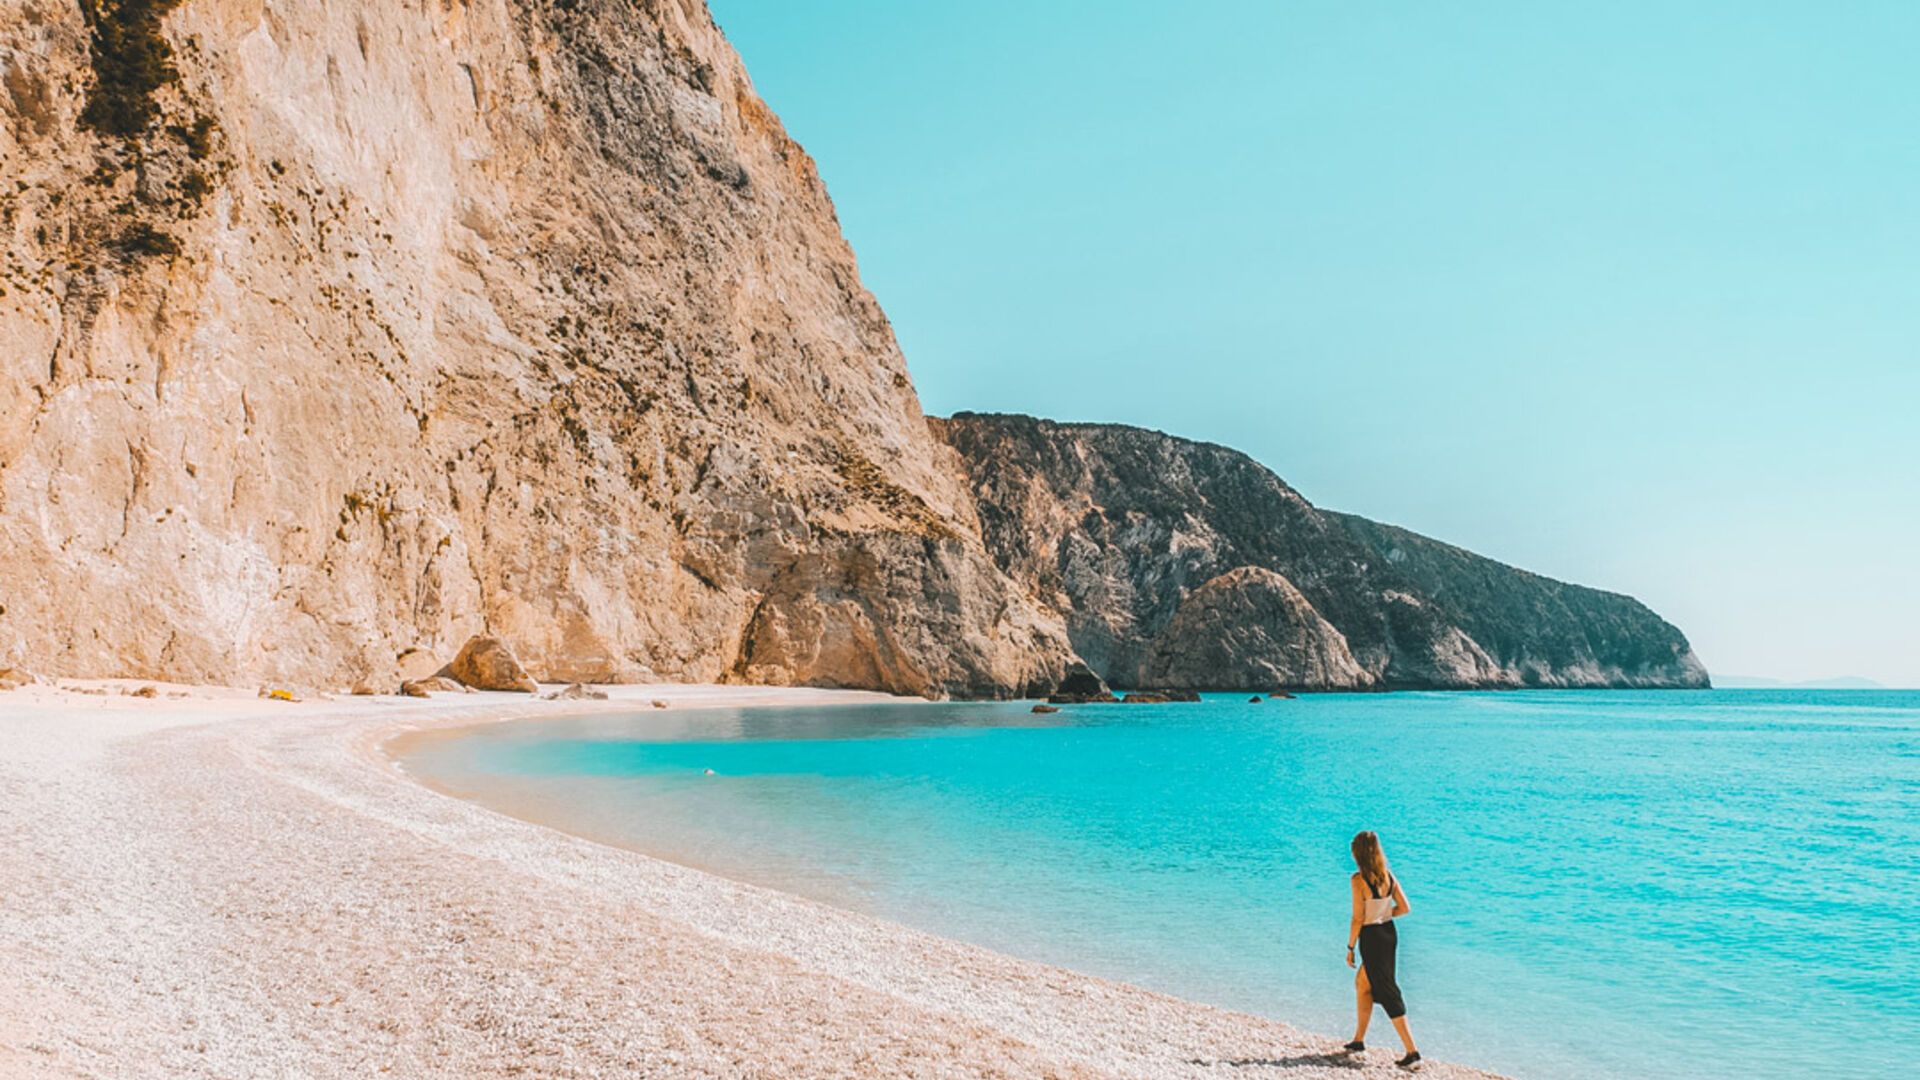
214,885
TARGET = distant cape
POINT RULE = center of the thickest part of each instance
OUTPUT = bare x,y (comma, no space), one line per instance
1180,564
1761,682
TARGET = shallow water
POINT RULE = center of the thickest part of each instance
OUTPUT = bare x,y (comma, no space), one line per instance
1604,884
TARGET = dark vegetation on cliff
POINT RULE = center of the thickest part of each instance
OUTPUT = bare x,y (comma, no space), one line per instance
131,60
131,63
1186,564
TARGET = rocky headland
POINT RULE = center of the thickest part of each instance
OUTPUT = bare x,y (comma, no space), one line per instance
1181,564
337,334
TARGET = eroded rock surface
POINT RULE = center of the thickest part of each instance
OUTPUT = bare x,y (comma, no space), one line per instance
338,330
1185,564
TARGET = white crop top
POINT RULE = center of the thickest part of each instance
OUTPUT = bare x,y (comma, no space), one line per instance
1378,909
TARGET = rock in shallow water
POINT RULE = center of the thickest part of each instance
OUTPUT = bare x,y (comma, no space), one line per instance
1080,686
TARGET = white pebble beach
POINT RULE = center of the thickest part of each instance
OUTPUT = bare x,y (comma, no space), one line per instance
204,883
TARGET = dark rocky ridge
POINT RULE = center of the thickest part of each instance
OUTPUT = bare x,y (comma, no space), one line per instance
1180,564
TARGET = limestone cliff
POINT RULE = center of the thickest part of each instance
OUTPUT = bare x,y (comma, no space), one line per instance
335,329
1180,564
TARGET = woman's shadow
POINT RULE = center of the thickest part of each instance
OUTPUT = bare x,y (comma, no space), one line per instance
1337,1059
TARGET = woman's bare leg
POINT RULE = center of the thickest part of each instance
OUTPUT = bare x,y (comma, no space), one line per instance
1406,1036
1363,993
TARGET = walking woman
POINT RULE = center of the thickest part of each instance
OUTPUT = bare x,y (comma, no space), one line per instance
1377,901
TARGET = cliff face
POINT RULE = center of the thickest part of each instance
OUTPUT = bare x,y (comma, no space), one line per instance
332,330
1186,565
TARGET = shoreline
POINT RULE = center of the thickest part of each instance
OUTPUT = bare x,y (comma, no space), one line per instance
213,884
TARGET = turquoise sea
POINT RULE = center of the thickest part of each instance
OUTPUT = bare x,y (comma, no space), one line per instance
1604,884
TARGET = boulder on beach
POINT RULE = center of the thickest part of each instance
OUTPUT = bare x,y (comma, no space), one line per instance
416,663
435,684
576,692
485,663
14,678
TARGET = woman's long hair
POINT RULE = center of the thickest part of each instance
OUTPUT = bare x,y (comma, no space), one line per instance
1370,859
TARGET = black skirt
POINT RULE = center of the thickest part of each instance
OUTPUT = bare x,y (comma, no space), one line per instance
1378,943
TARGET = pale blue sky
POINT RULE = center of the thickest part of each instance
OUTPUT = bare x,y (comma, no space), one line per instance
1624,293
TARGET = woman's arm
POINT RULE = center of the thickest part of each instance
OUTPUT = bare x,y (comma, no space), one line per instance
1399,899
1359,912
